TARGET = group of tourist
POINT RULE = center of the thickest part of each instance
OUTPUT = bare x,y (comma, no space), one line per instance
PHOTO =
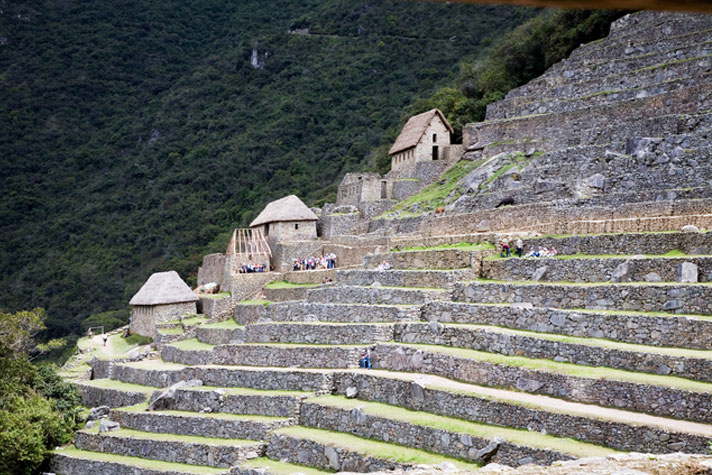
327,261
384,266
505,250
250,268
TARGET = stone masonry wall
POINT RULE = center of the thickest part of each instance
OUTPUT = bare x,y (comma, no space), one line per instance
403,278
286,356
244,286
94,396
685,332
676,298
444,442
666,269
61,463
221,400
375,295
473,407
215,308
212,269
659,400
631,244
432,259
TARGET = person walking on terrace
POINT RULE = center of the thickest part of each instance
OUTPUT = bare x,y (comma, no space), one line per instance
519,245
505,249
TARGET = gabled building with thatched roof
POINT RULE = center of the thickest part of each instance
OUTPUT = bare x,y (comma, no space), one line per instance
163,298
423,138
286,219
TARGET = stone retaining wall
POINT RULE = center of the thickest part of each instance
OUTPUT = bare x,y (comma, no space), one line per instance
685,332
403,278
246,314
189,357
287,356
351,313
422,437
67,464
472,407
201,426
245,286
93,396
215,308
680,298
310,276
428,259
643,243
659,400
221,400
375,295
314,454
220,336
194,453
355,333
666,269
283,295
493,341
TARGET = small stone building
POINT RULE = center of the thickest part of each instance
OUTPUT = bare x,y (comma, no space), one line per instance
163,298
286,219
425,137
357,188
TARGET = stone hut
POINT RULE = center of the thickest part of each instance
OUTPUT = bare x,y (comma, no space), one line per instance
357,188
163,298
425,137
286,219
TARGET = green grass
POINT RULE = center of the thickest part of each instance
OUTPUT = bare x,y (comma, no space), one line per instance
283,284
254,302
219,295
193,320
598,342
463,246
171,331
281,468
672,254
436,194
408,179
187,439
253,392
192,345
139,462
567,369
517,436
373,448
589,284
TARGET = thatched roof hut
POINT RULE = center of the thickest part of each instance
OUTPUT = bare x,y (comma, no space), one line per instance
415,128
163,288
289,208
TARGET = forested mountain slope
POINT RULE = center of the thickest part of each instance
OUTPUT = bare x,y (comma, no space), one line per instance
135,135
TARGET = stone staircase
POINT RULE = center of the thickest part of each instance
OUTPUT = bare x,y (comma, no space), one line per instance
471,365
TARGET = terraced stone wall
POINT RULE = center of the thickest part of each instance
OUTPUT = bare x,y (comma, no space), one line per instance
644,243
243,286
395,278
415,396
434,259
309,277
67,464
679,298
283,295
249,314
334,224
594,270
215,308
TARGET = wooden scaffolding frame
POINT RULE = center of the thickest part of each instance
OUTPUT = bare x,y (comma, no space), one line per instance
248,242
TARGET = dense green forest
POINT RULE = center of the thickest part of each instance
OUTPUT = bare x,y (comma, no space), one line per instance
135,135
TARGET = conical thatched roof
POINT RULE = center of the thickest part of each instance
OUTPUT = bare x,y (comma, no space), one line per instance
163,288
289,208
414,130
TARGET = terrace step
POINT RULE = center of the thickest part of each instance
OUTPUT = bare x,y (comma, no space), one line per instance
615,428
309,333
71,461
595,268
245,401
263,465
438,434
403,278
646,297
691,364
666,396
108,392
383,295
328,450
338,311
162,374
663,329
218,425
192,450
460,257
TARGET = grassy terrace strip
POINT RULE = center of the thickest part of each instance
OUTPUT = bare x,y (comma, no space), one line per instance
669,255
280,468
373,448
588,284
140,408
251,392
461,246
155,364
170,331
193,320
283,284
187,439
484,431
138,462
254,302
192,345
568,369
118,385
335,324
594,342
